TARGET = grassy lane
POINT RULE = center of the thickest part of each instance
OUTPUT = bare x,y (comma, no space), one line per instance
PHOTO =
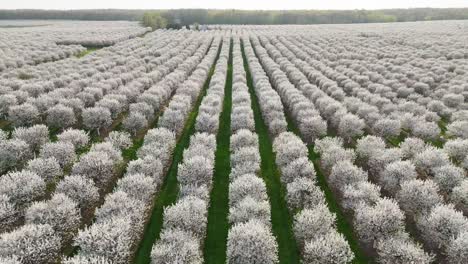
169,190
218,225
280,217
5,125
343,223
87,51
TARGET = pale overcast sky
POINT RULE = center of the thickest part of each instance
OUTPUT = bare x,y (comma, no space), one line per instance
220,4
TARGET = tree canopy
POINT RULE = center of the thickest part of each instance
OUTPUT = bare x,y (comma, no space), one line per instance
232,16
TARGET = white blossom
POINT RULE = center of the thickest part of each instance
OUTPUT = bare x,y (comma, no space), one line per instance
189,214
400,250
378,221
8,213
35,136
13,154
120,140
96,118
441,225
251,242
60,212
79,138
176,246
63,152
309,224
33,243
329,248
110,239
247,185
60,116
22,187
458,249
459,196
48,169
23,115
418,197
95,165
80,189
249,208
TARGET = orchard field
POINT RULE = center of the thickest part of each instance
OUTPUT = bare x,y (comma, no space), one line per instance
236,144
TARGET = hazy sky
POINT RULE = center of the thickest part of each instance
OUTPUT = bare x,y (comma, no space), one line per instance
223,4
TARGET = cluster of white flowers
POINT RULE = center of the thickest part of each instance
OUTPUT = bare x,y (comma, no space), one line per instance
14,153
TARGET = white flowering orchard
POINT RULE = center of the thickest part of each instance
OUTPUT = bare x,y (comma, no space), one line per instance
238,144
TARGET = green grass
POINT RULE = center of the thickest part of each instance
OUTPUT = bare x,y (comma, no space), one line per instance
280,217
218,225
54,132
5,125
170,189
87,51
443,125
24,76
396,140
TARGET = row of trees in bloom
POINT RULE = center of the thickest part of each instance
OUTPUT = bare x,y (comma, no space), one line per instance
185,222
90,177
384,124
250,238
442,168
154,157
36,43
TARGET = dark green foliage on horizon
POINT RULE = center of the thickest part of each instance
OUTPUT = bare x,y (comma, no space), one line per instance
153,20
262,17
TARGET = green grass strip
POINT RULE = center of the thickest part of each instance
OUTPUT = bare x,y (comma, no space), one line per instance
170,189
280,217
343,223
218,225
87,51
6,126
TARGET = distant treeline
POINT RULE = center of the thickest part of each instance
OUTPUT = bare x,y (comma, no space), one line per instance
208,16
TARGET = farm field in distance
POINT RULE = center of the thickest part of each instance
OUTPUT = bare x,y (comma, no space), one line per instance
239,144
